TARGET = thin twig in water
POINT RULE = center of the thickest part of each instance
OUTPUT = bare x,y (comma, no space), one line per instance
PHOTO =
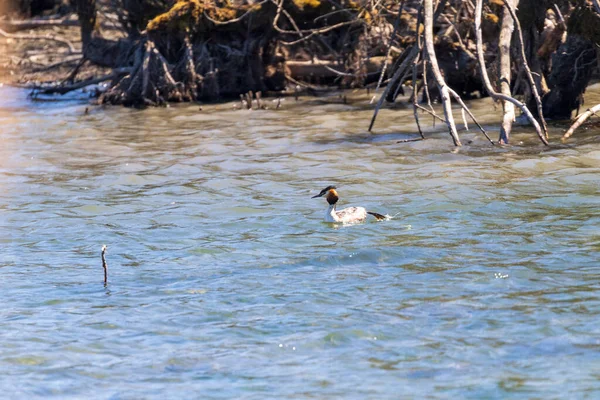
465,108
104,264
432,113
410,140
415,96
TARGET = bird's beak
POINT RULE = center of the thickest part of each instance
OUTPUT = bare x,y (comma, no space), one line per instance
319,195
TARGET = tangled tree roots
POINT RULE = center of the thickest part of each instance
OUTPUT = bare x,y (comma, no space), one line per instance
149,82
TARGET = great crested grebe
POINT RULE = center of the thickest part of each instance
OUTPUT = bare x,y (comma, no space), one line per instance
347,215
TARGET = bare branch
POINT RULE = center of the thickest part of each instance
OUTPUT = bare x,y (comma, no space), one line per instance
486,78
465,108
413,52
534,90
441,83
580,120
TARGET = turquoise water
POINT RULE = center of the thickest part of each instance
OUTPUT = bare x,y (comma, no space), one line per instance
224,283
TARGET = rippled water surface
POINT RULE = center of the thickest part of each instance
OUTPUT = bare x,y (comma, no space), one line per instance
225,283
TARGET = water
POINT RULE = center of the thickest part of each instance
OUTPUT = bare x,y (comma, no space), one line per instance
224,283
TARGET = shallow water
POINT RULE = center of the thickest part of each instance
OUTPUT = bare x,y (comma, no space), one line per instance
224,283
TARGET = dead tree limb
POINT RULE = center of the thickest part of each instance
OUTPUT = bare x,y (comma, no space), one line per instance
486,78
432,113
534,90
465,108
441,83
426,94
75,71
310,32
68,60
504,67
72,49
580,120
118,72
415,96
413,52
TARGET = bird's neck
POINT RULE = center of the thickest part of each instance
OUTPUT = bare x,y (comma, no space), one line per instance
331,215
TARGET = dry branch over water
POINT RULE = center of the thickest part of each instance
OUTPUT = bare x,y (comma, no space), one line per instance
151,52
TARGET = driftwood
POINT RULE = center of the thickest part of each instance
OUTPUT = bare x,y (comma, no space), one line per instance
580,120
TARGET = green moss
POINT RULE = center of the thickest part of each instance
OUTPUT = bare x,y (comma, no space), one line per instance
301,4
183,15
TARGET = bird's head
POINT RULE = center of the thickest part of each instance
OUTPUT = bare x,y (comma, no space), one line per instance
330,193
